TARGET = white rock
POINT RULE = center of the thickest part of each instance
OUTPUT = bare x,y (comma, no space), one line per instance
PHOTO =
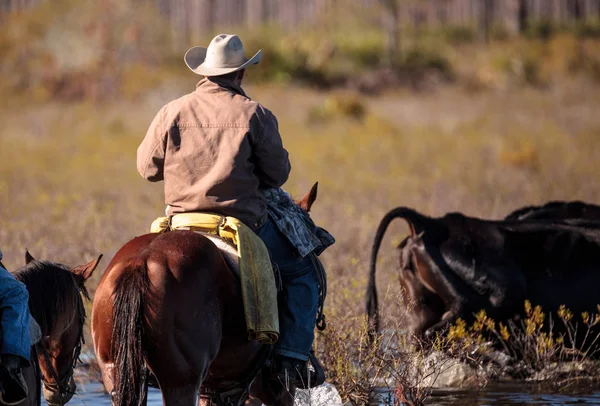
323,395
439,371
498,357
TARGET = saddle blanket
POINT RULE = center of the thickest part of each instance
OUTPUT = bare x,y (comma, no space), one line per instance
259,291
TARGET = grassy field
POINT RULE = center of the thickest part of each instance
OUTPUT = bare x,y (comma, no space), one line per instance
486,131
69,189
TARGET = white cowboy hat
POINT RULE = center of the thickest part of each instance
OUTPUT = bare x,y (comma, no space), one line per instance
225,54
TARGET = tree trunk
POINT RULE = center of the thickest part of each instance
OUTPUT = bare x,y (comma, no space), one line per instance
485,16
547,11
575,9
511,17
256,13
391,13
442,13
523,16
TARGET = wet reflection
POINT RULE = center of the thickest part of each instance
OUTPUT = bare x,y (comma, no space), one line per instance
92,394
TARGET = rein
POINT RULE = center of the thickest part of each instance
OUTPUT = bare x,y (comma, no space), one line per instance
62,385
321,323
38,376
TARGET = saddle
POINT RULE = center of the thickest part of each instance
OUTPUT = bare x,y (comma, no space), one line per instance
229,251
247,257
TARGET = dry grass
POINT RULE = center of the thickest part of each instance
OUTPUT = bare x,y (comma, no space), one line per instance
556,347
519,126
69,189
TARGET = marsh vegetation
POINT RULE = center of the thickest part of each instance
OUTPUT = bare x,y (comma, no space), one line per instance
460,127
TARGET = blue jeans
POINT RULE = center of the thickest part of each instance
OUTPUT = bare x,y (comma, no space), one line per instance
298,301
14,305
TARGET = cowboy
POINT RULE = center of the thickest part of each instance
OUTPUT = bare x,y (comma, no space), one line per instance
217,150
15,344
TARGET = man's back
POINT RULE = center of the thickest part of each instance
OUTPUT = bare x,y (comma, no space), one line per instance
215,148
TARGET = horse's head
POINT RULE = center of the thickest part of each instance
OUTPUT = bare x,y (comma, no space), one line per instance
56,304
307,201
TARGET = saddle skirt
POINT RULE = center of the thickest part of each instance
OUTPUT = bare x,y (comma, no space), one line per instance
229,251
247,256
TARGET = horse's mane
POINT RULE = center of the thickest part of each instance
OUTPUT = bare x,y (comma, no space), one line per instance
53,295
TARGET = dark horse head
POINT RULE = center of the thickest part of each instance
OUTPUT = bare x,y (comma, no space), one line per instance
55,302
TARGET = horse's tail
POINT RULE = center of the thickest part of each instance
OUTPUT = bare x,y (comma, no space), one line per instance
415,220
127,336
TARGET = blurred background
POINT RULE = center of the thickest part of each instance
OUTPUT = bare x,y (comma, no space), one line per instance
479,106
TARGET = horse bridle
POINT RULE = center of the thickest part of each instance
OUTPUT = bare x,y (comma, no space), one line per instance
62,385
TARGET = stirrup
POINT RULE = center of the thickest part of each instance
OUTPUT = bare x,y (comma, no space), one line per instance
303,374
13,388
319,371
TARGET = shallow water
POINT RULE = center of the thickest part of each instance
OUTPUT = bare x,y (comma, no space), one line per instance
91,394
514,395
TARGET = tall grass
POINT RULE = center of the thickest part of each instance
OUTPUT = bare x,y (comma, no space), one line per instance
69,189
518,126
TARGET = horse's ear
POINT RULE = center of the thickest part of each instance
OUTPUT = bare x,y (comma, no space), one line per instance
308,200
28,257
85,271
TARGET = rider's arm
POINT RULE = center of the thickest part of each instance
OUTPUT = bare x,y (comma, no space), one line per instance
270,157
151,152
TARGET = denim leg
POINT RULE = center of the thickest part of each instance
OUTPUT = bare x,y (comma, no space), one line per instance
14,302
298,301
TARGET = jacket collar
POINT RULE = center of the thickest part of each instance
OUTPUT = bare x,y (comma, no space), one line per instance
214,84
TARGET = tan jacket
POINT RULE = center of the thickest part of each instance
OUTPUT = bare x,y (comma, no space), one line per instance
215,149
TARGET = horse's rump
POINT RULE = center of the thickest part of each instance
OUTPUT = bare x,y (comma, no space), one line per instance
162,303
256,275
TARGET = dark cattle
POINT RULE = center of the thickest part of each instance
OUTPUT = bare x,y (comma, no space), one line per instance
455,265
557,210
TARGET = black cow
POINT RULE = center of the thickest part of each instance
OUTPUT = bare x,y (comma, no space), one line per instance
557,210
454,266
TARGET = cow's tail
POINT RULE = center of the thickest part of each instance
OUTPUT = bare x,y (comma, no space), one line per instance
415,221
127,337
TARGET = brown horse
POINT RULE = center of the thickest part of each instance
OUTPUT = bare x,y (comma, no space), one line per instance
169,303
55,303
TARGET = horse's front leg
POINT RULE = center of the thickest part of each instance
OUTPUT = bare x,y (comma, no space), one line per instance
180,396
